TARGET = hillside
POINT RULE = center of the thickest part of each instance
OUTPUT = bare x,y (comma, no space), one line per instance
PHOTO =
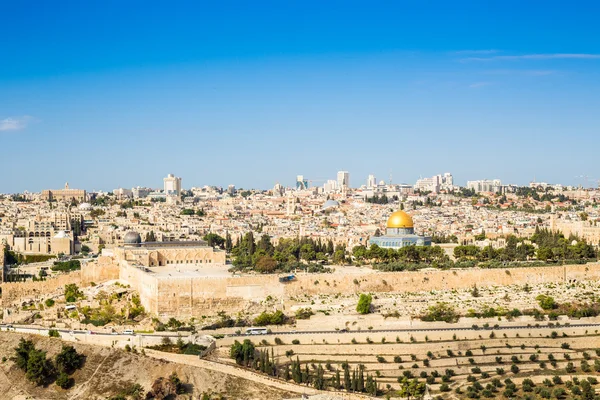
107,372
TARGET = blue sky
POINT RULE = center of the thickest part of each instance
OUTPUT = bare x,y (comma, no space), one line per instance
111,94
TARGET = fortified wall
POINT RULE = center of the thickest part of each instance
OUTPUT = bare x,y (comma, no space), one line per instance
196,296
101,270
184,297
18,291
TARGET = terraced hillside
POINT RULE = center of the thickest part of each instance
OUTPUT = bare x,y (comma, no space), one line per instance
529,362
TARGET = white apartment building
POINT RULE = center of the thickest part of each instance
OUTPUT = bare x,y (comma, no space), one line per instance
371,182
140,192
172,185
121,193
485,185
343,179
436,183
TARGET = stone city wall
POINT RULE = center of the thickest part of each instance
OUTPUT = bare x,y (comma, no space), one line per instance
97,271
197,296
13,292
144,283
185,297
104,269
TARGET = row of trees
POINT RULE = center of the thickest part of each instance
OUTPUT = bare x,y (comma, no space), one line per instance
408,254
552,246
383,199
264,257
41,370
246,355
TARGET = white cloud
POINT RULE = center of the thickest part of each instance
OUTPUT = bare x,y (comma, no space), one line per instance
554,56
14,123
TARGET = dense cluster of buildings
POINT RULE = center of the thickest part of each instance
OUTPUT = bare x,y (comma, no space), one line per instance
69,220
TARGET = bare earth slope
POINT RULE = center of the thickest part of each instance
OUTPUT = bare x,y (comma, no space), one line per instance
108,371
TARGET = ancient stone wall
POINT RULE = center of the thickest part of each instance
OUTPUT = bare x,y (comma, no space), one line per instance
144,283
197,296
15,292
2,261
185,297
101,270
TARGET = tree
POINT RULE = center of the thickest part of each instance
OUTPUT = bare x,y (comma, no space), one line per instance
150,237
266,264
228,242
214,240
72,293
22,353
307,252
364,304
68,360
441,311
39,368
64,381
546,302
411,388
243,353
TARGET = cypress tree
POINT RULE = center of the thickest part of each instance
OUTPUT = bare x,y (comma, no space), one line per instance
360,386
347,382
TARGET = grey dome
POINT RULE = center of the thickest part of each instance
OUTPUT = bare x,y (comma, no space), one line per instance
132,238
331,204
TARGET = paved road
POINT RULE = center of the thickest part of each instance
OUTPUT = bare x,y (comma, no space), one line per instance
74,332
491,328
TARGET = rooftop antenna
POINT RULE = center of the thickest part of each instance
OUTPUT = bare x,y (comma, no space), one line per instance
390,177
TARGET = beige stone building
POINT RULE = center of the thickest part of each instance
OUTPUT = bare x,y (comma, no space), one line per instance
162,254
50,234
65,194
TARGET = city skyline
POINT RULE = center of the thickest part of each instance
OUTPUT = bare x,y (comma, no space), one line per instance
586,182
483,91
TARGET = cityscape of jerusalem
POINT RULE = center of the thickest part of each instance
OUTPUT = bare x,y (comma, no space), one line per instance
299,201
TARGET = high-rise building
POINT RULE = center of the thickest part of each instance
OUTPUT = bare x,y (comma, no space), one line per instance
436,183
140,192
301,183
330,186
343,179
172,185
485,185
371,182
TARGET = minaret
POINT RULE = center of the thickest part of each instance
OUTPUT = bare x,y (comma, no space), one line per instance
290,204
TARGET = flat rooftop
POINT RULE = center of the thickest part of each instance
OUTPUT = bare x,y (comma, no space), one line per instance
188,270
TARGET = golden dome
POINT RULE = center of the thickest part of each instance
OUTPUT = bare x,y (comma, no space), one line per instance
400,219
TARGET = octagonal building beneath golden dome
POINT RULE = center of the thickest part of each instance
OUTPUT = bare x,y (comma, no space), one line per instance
400,232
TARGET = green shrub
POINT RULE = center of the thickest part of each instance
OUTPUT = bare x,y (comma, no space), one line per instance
64,381
364,304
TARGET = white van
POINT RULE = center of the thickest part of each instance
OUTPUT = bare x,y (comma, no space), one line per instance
128,332
70,307
256,331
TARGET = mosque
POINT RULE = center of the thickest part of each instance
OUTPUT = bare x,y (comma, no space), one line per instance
400,232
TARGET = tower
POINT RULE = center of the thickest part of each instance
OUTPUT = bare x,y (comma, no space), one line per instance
290,204
343,179
172,185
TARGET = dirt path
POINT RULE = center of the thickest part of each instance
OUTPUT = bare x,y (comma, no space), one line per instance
81,389
247,374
